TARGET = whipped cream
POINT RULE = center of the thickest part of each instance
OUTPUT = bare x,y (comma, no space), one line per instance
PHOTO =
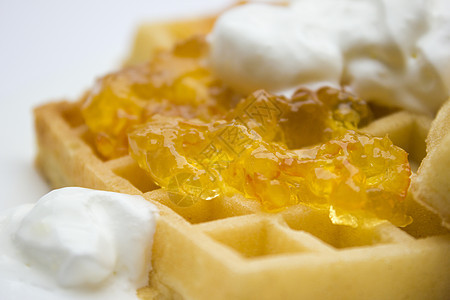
77,243
396,53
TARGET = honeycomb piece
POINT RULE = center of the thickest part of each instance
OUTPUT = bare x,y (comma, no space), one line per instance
174,83
359,178
308,118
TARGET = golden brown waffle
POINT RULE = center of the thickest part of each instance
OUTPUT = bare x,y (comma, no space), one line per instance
432,183
228,249
154,37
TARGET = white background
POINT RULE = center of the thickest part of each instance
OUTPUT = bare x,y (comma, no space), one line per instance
53,49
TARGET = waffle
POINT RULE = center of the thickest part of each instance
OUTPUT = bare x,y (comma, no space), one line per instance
431,185
153,37
228,248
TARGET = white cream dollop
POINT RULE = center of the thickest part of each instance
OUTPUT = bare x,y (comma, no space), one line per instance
77,243
396,53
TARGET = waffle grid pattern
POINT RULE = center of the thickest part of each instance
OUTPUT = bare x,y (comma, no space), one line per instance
228,249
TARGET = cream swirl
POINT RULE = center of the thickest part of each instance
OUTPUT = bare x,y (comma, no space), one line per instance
396,53
77,243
